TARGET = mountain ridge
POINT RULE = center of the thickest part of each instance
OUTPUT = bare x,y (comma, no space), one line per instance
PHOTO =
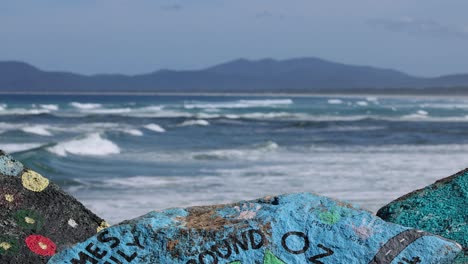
307,74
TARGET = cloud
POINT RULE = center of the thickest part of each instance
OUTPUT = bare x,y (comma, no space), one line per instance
172,7
420,26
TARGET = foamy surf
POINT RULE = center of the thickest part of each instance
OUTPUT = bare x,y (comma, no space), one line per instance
155,128
254,152
199,122
335,101
17,147
132,131
51,107
23,111
240,104
85,106
91,145
40,130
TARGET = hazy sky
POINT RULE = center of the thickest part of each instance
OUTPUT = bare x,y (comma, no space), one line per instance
422,37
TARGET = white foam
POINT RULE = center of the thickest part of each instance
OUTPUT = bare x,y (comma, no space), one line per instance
372,99
51,107
132,131
92,145
158,114
335,101
151,108
362,103
2,107
109,111
459,105
420,114
155,128
254,152
85,105
23,111
199,122
37,129
232,116
240,104
12,148
207,116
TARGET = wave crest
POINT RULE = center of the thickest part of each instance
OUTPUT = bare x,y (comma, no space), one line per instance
91,145
199,122
240,104
155,128
85,106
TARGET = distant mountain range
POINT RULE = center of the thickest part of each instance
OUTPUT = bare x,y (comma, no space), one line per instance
301,75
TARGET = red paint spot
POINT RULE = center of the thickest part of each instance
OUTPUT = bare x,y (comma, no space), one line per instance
41,245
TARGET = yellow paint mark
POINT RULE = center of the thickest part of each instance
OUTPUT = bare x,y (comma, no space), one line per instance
33,181
5,245
102,226
42,245
29,220
9,198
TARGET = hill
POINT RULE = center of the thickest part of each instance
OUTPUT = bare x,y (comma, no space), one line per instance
300,75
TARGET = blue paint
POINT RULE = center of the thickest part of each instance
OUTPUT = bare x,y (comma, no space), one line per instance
9,166
292,227
440,208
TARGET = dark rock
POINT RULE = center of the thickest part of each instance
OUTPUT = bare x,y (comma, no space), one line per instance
440,208
38,219
295,228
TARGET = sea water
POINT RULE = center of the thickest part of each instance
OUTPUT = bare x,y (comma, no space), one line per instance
123,156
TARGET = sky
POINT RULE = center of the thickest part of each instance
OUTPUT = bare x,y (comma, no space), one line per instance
420,37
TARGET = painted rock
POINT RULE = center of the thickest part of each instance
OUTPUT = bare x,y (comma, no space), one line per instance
295,228
38,219
440,208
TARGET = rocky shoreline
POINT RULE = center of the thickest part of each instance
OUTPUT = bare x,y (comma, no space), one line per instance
40,223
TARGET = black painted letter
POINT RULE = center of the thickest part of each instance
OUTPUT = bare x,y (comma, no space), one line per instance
298,234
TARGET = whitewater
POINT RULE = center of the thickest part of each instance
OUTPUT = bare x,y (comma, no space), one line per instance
126,155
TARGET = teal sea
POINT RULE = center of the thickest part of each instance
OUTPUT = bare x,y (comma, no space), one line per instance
123,156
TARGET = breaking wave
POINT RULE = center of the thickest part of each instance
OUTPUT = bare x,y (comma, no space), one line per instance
199,122
240,104
13,147
91,145
40,130
155,128
85,105
254,152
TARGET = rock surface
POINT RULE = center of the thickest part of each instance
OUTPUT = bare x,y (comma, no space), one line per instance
287,229
440,208
38,219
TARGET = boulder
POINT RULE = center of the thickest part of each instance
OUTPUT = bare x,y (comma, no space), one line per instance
440,208
38,219
294,228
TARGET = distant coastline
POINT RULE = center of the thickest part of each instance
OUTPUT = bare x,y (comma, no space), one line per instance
340,93
299,76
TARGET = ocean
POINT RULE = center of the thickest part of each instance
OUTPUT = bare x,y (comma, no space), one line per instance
123,156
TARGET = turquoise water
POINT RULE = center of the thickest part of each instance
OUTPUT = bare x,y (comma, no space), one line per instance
126,155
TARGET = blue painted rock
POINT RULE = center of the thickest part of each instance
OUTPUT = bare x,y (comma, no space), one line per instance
295,228
37,219
440,208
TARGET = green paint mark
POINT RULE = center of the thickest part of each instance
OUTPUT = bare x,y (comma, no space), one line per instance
269,258
8,245
330,217
29,220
